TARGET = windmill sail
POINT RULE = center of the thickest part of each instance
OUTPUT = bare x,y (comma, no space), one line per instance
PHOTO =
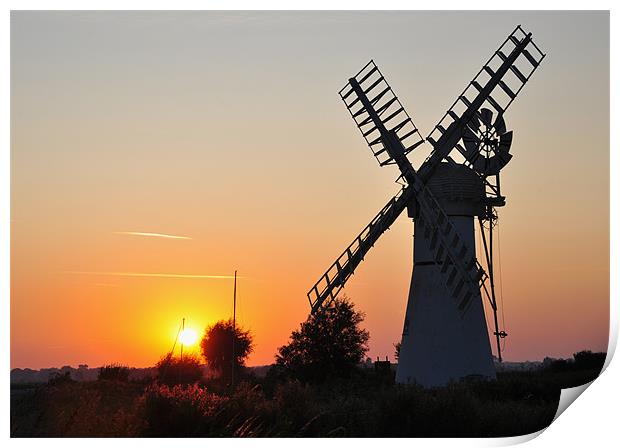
495,86
391,135
330,283
391,113
461,278
463,275
387,128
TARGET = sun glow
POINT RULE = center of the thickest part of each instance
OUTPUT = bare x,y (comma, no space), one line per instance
188,336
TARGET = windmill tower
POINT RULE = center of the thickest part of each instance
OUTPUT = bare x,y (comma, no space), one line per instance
444,334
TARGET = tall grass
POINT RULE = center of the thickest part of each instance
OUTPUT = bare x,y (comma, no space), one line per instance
363,405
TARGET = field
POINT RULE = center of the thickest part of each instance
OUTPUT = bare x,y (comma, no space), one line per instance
367,404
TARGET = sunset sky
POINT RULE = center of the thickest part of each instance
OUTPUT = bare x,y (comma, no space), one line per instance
153,153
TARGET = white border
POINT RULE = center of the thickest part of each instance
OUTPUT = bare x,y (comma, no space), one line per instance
591,421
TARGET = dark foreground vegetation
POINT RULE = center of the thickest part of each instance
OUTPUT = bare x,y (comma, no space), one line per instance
367,403
317,387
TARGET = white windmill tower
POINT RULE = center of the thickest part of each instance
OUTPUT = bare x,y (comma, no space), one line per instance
444,335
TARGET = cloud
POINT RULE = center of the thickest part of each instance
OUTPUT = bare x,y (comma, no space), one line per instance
153,274
155,235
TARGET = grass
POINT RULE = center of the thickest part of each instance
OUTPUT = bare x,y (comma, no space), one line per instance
363,406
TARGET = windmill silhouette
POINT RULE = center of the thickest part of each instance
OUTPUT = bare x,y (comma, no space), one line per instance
444,334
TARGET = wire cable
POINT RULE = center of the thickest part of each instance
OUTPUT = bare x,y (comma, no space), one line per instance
501,282
485,305
175,340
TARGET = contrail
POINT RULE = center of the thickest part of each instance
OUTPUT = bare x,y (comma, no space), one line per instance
152,274
156,235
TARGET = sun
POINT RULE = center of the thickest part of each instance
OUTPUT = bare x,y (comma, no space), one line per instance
188,336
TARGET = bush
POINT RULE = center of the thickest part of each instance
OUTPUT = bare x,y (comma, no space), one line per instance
193,411
113,372
297,405
561,365
79,409
217,347
588,360
330,344
60,378
584,360
178,411
172,370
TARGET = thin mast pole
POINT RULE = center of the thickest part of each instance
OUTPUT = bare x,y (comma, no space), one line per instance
492,278
499,350
182,329
488,251
234,333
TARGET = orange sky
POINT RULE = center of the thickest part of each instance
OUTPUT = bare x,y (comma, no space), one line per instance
226,128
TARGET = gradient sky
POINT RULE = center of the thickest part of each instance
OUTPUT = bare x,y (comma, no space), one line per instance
226,128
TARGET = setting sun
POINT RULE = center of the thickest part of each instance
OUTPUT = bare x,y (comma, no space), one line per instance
188,336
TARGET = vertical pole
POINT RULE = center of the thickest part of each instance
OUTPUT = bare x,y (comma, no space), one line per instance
234,333
182,329
492,278
488,251
497,184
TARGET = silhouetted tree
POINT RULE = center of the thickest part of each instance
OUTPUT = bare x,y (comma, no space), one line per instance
60,378
328,344
397,351
113,372
584,360
588,360
217,349
172,370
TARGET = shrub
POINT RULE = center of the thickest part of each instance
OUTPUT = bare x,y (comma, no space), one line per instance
172,370
186,411
217,347
561,365
397,350
588,360
113,372
182,410
296,404
60,378
329,344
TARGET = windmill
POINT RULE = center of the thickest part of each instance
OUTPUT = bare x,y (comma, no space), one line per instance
445,332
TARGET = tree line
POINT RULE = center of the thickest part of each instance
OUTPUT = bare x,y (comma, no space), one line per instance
327,345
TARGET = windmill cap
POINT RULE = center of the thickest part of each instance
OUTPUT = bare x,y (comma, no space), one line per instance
454,182
458,190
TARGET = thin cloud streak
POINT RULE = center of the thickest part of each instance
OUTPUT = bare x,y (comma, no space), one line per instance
152,274
156,235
